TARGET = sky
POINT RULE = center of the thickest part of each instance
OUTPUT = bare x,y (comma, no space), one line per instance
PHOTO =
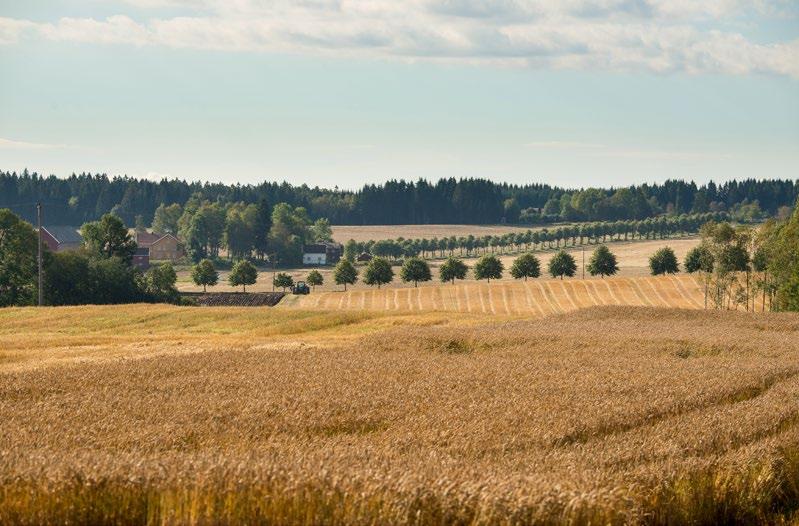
574,93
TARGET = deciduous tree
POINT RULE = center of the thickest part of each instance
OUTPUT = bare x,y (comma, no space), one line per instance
378,272
243,273
345,273
664,261
416,270
603,262
488,267
562,264
453,268
526,266
204,273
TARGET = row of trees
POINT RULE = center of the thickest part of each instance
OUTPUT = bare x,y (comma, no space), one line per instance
562,236
99,273
415,270
84,197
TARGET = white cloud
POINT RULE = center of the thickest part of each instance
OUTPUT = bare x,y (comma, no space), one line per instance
8,144
618,35
563,145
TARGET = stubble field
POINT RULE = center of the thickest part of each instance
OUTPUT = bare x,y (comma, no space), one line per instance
609,415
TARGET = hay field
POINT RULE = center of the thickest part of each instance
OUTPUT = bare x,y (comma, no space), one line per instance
167,415
535,297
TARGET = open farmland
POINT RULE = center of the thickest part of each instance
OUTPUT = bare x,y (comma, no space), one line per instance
376,232
538,297
633,257
164,415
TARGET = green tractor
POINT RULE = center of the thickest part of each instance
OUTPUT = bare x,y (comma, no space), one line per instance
300,288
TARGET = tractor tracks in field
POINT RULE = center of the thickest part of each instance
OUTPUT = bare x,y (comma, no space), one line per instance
743,394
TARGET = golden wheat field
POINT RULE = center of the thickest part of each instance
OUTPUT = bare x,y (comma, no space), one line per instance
149,414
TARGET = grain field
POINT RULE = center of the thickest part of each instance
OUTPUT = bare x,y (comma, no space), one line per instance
608,415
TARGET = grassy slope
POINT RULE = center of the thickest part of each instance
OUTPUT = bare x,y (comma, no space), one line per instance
256,415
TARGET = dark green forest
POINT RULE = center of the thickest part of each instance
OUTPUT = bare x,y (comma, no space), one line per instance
78,199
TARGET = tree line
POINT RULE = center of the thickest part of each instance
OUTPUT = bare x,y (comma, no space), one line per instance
567,235
85,197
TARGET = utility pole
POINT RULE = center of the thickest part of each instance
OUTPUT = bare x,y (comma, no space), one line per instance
274,262
39,224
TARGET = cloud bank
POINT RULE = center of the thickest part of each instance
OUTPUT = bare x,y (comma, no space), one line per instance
660,36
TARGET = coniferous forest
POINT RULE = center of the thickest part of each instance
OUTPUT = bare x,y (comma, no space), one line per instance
80,198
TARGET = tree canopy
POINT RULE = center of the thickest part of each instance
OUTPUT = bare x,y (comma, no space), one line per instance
378,272
488,267
314,278
345,273
283,280
603,262
108,237
79,198
243,273
562,264
664,261
18,260
453,268
526,266
416,270
204,273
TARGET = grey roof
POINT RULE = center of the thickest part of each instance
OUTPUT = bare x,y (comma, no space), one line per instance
65,235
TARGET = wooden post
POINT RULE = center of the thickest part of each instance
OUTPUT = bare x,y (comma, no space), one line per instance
39,259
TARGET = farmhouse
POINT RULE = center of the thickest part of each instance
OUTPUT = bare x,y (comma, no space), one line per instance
321,254
60,238
163,247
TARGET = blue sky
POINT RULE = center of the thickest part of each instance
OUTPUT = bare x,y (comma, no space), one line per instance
323,92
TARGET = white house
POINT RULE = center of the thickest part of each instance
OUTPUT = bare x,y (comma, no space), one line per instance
321,254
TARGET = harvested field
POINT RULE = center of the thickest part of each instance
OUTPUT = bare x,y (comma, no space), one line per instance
536,297
167,415
376,232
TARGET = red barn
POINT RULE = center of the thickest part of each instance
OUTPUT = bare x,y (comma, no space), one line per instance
60,238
